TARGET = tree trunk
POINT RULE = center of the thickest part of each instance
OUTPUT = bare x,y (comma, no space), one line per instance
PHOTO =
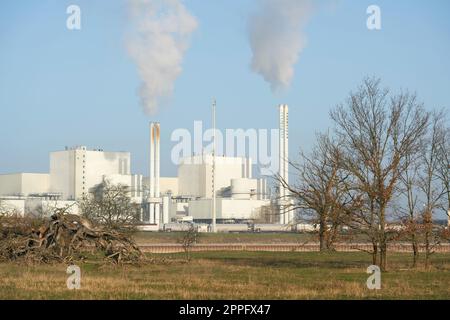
374,253
415,251
383,255
428,223
322,236
427,249
383,240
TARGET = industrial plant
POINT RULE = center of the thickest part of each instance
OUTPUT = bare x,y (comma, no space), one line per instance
218,193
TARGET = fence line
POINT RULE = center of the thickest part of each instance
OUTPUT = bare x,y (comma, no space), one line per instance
308,247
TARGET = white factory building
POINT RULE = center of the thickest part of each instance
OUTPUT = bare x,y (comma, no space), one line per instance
75,172
239,196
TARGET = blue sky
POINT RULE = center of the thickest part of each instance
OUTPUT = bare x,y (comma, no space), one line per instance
61,88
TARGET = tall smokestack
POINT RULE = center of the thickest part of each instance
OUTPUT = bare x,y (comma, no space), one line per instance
152,173
285,216
154,200
157,171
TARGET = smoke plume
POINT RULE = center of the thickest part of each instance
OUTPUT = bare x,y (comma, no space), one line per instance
161,30
277,39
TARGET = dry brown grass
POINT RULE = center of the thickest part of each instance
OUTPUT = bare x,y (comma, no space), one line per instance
233,275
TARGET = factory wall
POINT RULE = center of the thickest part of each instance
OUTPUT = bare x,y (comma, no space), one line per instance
62,173
45,208
17,206
178,209
244,188
37,207
74,172
195,174
24,184
133,182
166,185
238,209
35,183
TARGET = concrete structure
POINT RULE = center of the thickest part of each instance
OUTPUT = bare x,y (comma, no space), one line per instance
239,197
45,208
11,205
134,182
73,174
24,184
166,185
229,210
74,171
195,174
36,206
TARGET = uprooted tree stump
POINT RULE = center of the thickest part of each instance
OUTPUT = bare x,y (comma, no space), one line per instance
63,238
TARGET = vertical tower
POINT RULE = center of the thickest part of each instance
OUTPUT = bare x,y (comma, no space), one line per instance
154,201
214,168
285,215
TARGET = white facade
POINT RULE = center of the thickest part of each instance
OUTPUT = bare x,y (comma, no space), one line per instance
24,184
178,209
166,185
195,174
13,206
227,209
132,181
244,189
45,208
73,172
37,206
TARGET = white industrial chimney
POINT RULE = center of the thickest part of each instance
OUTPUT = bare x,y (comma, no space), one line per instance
285,214
154,200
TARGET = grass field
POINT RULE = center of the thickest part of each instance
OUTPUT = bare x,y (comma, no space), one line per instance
233,275
272,238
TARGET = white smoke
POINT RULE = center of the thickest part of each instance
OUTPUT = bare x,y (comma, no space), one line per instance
277,39
161,30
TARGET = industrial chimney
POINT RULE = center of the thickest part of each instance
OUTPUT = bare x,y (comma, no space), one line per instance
154,199
285,214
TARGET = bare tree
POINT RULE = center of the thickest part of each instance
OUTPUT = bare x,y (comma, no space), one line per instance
429,183
443,167
378,131
188,239
410,210
111,206
321,190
